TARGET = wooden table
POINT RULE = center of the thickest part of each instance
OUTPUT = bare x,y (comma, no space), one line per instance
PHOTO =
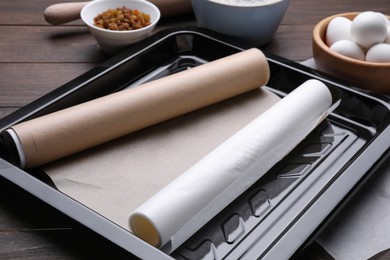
36,58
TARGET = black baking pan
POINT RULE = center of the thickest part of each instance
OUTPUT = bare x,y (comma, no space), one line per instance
284,209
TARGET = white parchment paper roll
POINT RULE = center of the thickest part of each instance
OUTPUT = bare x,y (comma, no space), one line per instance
187,203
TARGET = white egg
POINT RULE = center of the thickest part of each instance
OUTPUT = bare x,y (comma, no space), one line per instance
368,28
379,53
339,28
348,48
387,40
386,19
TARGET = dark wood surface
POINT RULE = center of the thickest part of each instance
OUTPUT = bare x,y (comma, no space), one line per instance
36,57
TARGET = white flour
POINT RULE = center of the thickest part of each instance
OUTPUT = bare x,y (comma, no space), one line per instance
246,2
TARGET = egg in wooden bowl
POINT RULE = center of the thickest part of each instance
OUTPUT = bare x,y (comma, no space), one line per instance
357,51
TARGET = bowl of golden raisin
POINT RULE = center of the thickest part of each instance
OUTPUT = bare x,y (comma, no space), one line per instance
116,24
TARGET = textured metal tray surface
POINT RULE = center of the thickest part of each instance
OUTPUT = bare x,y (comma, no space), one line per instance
270,211
230,227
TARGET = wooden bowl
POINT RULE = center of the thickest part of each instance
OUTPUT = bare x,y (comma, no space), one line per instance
369,75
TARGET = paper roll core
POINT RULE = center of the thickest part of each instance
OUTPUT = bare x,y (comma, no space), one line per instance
144,228
15,148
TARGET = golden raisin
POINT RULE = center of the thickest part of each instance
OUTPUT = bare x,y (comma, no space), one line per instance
122,18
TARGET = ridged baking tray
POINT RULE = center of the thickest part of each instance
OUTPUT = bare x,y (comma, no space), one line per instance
283,210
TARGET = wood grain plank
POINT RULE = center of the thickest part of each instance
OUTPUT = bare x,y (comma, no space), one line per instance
48,44
21,12
30,229
292,42
57,244
21,83
311,12
75,44
4,111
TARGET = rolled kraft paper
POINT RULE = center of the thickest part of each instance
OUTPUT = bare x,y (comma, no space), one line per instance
183,206
77,128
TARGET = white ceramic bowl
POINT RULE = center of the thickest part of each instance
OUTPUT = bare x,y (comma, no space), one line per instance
114,41
254,25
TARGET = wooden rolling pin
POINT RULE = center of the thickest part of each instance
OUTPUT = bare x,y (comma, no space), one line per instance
67,12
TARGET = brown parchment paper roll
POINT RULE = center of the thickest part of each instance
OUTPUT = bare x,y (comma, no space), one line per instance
77,128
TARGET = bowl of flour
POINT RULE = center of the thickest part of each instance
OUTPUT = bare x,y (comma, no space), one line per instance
252,22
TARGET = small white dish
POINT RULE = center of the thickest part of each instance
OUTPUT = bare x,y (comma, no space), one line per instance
114,41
